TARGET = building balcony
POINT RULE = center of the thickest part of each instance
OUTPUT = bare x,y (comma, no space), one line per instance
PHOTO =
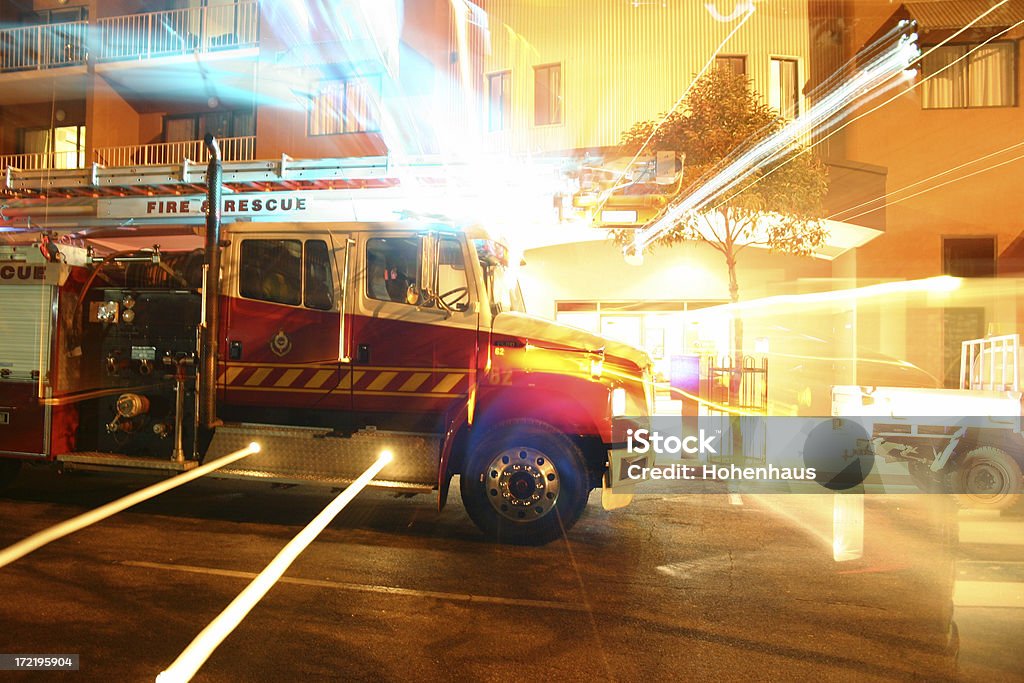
178,32
168,153
43,161
47,46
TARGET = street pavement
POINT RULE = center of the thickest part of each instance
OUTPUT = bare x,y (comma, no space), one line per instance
678,587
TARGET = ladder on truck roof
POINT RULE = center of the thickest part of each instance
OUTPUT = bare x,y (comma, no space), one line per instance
190,176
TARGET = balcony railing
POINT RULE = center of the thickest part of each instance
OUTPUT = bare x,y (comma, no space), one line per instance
45,46
43,160
163,153
179,31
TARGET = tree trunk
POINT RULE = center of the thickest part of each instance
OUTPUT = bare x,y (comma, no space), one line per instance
736,375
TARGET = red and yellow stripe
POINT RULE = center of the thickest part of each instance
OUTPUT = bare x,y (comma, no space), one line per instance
369,380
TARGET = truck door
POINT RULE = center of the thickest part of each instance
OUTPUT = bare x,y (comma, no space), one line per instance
282,352
413,358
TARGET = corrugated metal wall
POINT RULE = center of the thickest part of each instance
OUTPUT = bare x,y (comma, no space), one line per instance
623,63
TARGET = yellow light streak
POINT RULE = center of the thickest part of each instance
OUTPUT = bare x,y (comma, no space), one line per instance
887,102
837,214
38,540
199,650
707,65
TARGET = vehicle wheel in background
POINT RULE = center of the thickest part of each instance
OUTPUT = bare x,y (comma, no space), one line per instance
525,483
987,478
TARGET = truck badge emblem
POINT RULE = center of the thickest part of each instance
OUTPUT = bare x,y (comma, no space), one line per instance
280,344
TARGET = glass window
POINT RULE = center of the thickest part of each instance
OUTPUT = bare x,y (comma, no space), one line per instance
61,147
547,94
452,282
499,89
319,288
271,270
957,76
784,89
734,63
969,256
392,269
348,106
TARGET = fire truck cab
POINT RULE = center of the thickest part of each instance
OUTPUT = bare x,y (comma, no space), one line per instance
333,342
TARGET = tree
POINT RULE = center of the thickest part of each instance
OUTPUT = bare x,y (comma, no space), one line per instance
778,206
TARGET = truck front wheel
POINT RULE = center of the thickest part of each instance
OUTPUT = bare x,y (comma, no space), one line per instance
525,483
987,478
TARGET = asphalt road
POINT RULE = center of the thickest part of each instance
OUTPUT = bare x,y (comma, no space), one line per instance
671,588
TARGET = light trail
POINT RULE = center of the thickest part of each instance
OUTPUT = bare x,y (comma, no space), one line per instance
703,70
199,650
873,75
38,540
835,216
935,187
892,99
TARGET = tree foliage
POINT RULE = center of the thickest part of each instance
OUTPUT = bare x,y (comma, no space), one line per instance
778,206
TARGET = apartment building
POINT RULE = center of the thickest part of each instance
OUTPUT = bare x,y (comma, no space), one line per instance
950,144
134,82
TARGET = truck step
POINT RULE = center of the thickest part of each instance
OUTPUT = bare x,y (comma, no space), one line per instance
108,462
304,455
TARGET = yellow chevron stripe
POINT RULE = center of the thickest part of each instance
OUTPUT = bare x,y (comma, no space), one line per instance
287,378
350,378
360,393
448,383
318,379
382,381
414,382
230,375
257,377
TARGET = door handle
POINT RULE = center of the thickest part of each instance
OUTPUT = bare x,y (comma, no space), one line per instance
363,353
234,350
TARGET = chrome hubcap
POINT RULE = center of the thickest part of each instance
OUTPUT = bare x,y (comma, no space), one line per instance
522,484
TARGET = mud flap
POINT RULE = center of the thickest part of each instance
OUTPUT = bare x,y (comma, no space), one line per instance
617,487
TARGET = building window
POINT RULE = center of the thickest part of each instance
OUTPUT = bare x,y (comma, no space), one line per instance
222,124
969,256
61,147
737,64
348,106
783,88
547,94
961,76
499,93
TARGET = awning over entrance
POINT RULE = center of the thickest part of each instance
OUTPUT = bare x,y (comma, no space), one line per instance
954,14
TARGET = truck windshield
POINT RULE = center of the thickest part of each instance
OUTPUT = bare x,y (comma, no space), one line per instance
502,285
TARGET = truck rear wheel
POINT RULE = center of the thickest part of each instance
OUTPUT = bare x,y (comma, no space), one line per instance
988,478
525,483
8,471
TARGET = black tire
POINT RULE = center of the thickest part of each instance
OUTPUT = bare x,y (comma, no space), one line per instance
525,483
987,478
8,471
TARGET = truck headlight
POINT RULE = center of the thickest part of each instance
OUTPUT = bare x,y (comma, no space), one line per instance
618,402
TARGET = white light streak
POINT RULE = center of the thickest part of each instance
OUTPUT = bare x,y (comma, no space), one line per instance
876,73
199,650
905,75
36,541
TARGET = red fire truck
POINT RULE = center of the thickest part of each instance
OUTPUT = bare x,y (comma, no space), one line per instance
324,340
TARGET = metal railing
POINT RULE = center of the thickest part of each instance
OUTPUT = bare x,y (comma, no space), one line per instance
991,364
179,31
163,153
45,46
43,160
